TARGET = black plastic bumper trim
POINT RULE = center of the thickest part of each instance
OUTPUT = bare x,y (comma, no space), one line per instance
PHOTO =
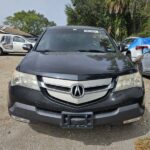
117,116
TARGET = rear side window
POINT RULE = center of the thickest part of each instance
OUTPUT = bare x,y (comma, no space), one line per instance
18,39
6,39
3,38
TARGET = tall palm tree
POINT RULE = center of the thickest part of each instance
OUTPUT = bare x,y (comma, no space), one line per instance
117,6
120,8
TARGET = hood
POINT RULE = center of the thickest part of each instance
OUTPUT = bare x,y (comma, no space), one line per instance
76,65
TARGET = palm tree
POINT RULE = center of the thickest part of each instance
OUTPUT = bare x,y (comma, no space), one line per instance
118,9
117,6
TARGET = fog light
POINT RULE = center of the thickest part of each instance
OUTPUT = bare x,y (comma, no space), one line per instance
20,119
132,120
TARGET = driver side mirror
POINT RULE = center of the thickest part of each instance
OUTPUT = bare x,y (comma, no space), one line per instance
27,47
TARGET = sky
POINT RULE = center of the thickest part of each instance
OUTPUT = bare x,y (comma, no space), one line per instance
54,10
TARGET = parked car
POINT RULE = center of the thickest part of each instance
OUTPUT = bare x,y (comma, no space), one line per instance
140,52
76,77
137,48
145,68
12,43
125,44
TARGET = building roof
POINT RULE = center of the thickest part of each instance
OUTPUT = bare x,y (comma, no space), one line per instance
1,31
11,30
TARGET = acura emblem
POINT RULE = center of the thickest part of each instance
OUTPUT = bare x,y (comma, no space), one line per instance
77,91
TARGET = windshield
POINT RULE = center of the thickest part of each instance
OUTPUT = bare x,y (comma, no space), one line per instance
30,40
71,40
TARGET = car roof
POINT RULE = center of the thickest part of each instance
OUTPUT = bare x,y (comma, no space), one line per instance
75,27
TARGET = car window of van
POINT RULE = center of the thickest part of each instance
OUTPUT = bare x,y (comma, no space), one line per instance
18,39
3,38
7,39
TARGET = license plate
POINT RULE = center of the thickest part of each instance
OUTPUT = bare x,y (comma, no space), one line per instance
77,120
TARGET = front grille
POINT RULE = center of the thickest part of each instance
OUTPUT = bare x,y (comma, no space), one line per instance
65,90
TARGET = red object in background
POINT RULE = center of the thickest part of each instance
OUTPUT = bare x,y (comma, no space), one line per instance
141,47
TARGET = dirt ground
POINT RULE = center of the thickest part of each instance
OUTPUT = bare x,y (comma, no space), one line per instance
20,136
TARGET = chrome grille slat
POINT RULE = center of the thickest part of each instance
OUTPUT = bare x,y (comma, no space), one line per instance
69,83
50,89
59,88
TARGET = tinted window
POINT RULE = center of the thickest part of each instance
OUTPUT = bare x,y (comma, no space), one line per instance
18,39
74,40
129,41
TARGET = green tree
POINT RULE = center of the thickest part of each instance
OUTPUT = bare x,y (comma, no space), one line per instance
118,10
117,6
120,17
145,19
87,12
30,22
99,13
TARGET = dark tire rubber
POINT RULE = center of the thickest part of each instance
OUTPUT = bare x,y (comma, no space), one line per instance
1,52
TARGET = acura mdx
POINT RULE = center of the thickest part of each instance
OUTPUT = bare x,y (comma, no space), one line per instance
76,77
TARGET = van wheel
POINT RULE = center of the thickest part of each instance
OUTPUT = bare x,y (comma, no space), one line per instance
128,55
5,53
1,52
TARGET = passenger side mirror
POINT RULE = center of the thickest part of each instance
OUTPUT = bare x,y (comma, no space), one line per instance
27,47
122,47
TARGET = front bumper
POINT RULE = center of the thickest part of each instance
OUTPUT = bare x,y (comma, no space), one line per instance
115,107
113,117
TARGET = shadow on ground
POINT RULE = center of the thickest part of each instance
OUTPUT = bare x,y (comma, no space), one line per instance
102,135
14,54
147,77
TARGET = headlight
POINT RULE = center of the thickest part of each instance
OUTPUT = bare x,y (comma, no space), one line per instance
25,80
129,81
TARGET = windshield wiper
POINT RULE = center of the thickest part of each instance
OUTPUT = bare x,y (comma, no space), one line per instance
91,51
80,50
44,50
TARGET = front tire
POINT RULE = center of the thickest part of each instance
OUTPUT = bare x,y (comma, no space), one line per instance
5,53
1,52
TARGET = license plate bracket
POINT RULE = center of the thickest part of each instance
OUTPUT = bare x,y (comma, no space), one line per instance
77,120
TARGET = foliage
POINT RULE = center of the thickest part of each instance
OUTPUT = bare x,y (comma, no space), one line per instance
146,22
120,17
86,12
30,22
142,144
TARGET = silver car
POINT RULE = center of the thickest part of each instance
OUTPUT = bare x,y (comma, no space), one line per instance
146,64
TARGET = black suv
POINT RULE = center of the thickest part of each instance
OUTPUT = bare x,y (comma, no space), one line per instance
75,77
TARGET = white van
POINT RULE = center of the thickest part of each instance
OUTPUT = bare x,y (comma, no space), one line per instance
13,43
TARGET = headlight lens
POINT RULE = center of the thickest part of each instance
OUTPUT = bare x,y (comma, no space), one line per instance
129,81
25,80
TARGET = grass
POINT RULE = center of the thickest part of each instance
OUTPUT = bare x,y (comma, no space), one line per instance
142,144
